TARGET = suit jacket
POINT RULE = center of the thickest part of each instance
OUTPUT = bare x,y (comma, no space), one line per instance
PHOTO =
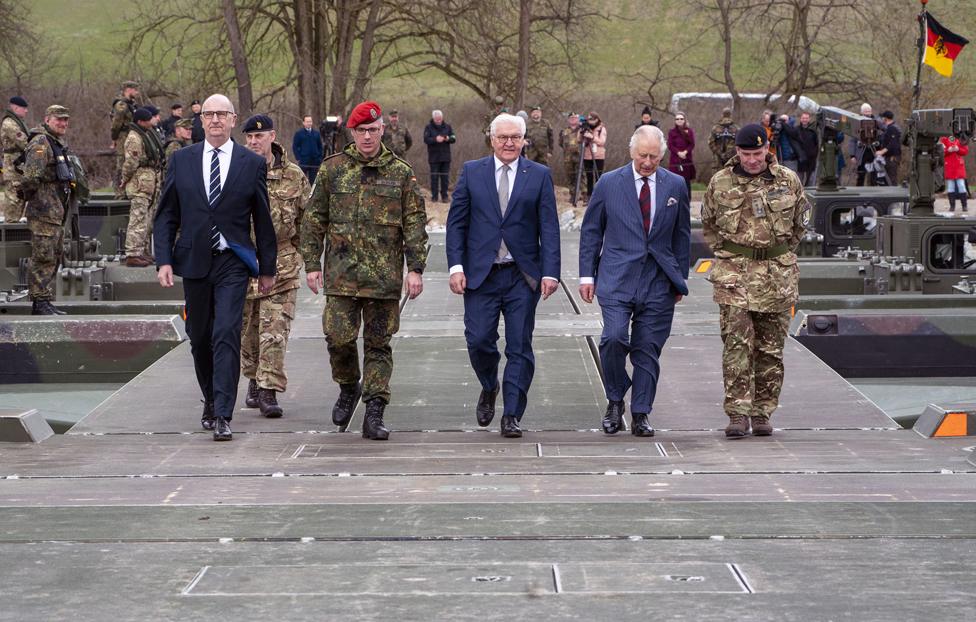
530,228
613,243
243,201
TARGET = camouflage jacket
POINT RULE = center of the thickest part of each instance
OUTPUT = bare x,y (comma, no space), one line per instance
13,141
48,196
569,140
539,137
172,146
369,214
288,189
397,140
721,140
122,110
142,151
764,211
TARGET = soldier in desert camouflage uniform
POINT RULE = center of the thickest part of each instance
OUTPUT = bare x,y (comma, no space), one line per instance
182,137
754,216
13,141
569,140
721,140
367,209
47,185
267,317
538,136
397,137
140,178
123,107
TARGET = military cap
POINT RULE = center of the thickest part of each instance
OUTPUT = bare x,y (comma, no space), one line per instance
195,102
57,111
394,112
175,105
142,114
366,112
258,123
187,123
152,110
887,114
499,100
752,136
571,114
534,108
129,84
17,100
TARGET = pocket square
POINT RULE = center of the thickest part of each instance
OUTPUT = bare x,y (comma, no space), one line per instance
672,201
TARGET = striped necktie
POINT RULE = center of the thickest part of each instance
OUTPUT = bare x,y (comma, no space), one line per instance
213,194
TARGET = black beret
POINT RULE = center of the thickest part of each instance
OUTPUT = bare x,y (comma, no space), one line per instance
258,123
17,100
752,136
176,105
887,114
143,114
195,102
152,110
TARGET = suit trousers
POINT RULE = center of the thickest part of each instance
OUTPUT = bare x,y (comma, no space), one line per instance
214,316
637,328
506,292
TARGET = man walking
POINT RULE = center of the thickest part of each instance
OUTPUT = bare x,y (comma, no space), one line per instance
307,147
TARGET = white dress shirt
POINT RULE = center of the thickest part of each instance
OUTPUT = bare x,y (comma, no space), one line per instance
223,158
512,171
638,185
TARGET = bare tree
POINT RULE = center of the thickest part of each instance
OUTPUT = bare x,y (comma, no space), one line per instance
23,54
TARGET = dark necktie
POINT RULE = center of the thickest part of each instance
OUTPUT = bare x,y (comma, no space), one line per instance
645,204
213,194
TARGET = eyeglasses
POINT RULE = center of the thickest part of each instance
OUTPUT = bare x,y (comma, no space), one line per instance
372,131
504,139
220,114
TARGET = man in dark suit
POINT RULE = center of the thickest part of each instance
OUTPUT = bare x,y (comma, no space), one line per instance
503,251
634,246
213,193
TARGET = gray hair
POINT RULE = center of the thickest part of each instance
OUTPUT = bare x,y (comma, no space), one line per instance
436,113
866,108
645,132
507,118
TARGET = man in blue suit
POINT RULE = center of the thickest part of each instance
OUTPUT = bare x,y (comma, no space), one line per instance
213,193
634,255
503,251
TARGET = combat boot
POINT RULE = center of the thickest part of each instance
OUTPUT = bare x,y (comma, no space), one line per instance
268,403
251,399
349,395
761,425
44,307
738,426
373,427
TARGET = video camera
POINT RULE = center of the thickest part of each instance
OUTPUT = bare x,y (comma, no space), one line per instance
329,125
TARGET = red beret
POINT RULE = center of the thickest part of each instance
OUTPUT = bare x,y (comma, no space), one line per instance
366,112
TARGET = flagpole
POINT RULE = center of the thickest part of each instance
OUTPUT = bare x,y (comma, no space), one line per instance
917,90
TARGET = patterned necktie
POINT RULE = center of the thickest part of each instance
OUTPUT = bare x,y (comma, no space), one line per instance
645,204
503,203
213,194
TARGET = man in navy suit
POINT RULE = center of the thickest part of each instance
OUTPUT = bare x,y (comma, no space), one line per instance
214,191
503,251
634,255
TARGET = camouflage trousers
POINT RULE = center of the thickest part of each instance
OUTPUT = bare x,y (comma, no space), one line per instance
752,359
47,248
119,160
138,233
340,323
571,167
11,208
264,338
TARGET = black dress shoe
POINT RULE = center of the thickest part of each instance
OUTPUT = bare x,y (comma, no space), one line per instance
268,403
349,395
486,407
222,430
510,427
44,307
614,418
207,419
373,426
641,426
251,399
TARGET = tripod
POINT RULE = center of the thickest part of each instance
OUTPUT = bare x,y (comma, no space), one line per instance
579,171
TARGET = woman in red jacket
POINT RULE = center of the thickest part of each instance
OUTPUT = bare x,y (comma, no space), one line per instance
955,170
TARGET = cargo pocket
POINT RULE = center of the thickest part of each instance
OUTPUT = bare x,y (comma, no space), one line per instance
728,213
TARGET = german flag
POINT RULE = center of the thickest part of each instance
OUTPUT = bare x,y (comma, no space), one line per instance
942,46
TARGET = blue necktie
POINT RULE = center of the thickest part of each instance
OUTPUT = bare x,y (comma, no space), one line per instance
213,194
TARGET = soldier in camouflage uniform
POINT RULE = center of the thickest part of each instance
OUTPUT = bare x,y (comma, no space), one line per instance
47,185
569,140
538,137
397,137
267,317
721,140
499,107
13,141
753,217
123,107
367,209
141,181
182,137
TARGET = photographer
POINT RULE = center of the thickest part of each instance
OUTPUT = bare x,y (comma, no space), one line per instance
328,129
594,137
865,144
773,129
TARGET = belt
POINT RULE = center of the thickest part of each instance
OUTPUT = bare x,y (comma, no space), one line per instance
501,265
755,253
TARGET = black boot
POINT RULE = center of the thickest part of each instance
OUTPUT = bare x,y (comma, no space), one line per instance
268,403
962,200
349,395
251,400
44,307
373,427
952,201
